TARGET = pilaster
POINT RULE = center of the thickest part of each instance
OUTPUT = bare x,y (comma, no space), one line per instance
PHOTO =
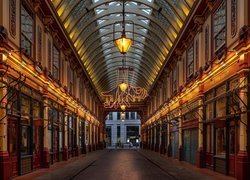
200,159
4,155
46,156
243,159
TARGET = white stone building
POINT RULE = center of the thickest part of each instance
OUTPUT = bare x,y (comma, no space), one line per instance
122,128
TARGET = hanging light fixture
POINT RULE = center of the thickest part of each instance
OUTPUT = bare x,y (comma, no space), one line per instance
123,43
123,107
123,93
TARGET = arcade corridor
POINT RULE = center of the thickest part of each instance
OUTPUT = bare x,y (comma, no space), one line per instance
124,164
169,77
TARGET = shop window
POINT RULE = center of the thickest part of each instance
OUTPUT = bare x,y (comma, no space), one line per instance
55,63
232,140
221,102
81,133
220,141
208,136
26,32
25,140
190,61
219,26
191,115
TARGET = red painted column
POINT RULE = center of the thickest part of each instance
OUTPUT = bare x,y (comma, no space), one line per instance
5,168
4,165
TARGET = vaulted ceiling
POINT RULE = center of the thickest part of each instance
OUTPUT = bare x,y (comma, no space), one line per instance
89,24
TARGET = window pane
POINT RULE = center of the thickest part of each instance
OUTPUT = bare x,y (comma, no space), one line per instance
55,62
219,21
25,140
190,61
220,141
26,31
221,103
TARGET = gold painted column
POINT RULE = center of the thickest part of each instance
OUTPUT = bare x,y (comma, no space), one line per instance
90,137
94,137
77,135
46,156
66,151
201,159
168,137
154,145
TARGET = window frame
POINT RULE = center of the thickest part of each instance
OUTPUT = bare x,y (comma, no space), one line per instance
54,67
224,28
31,42
189,63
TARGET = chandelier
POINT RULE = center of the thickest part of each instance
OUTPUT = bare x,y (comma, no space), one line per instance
123,43
124,92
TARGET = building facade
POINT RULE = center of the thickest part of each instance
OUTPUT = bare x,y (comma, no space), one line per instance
122,128
199,109
49,112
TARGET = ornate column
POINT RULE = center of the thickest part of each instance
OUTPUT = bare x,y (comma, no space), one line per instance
90,137
154,131
46,156
66,151
168,137
201,158
4,155
243,159
151,136
77,135
94,137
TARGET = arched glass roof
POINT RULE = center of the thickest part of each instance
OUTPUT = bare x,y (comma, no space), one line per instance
89,24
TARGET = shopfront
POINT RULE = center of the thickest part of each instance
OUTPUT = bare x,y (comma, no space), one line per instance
82,144
55,131
222,118
25,130
190,117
